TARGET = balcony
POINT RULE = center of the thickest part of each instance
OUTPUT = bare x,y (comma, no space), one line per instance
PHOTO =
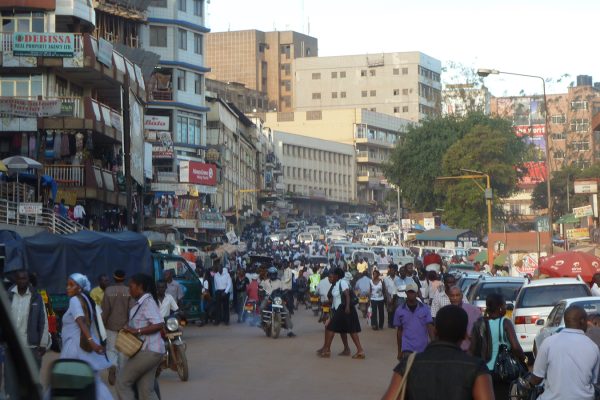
375,142
368,157
369,177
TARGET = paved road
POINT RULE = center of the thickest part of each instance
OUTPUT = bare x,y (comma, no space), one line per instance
239,362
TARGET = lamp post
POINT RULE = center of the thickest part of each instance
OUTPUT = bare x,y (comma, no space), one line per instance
484,72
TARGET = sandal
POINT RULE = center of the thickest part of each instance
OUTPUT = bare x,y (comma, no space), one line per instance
359,356
345,353
320,351
325,354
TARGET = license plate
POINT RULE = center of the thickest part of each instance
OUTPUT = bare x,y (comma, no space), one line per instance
249,308
173,335
508,314
314,299
325,309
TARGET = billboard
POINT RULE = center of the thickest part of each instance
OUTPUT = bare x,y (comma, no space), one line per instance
136,134
156,123
197,172
42,44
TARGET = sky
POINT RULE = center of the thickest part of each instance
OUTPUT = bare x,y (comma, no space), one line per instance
548,38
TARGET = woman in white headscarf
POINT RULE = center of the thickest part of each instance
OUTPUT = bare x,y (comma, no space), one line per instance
79,327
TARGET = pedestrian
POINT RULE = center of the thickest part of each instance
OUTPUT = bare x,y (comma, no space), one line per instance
593,329
363,284
596,284
115,313
146,323
362,266
241,286
344,318
489,333
402,280
29,313
442,370
568,361
391,298
414,324
301,288
174,288
166,303
286,286
62,209
473,313
440,298
97,293
377,297
327,298
79,334
223,289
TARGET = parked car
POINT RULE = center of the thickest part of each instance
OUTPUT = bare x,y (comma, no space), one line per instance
466,280
369,239
535,301
484,286
556,321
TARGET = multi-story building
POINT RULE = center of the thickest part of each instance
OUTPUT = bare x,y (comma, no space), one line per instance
260,60
61,104
318,175
460,99
373,136
406,85
246,99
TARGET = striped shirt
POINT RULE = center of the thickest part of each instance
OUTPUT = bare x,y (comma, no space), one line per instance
148,314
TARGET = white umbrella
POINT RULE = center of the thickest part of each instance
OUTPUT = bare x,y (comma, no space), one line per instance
17,163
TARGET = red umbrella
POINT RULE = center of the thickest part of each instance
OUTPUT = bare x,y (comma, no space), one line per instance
571,263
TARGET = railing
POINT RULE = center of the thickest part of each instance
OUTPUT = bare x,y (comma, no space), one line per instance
40,106
109,116
67,175
48,219
6,38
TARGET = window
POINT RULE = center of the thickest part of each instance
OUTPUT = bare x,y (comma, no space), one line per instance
180,79
158,3
373,109
286,68
559,119
334,75
404,71
316,75
582,145
373,93
316,96
396,92
559,136
158,36
363,72
343,95
182,39
372,72
22,22
405,92
396,71
342,74
197,43
198,6
396,109
188,130
579,105
286,50
580,125
198,84
182,5
364,93
334,95
404,109
559,154
21,86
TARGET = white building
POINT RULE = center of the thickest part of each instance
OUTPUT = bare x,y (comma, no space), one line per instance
459,99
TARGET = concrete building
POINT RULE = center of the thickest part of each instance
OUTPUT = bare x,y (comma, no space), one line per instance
260,60
373,136
246,99
460,99
318,175
406,85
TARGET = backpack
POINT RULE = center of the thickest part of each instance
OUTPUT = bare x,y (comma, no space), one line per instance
506,368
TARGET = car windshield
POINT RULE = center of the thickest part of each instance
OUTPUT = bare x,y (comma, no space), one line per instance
590,306
464,283
548,296
508,290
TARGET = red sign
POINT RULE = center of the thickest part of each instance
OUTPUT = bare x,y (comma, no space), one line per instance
530,130
534,172
198,173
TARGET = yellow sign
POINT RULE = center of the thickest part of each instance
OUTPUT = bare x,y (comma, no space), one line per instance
578,233
69,195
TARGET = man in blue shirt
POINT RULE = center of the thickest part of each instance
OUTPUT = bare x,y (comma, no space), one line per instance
414,323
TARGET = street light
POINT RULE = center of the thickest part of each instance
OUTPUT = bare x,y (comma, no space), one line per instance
484,72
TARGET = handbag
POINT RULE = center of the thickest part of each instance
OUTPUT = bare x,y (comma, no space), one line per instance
353,297
401,390
506,368
127,343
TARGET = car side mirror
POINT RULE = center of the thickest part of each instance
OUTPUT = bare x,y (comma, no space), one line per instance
540,322
510,307
72,379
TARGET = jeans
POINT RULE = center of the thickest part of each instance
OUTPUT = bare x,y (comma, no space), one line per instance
222,304
391,310
140,370
377,311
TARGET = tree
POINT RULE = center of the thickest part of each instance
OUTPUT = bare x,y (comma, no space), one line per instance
416,161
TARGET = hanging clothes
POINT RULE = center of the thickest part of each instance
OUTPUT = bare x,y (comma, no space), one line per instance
64,145
49,152
57,144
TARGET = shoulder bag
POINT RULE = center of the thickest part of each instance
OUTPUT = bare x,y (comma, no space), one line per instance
353,298
127,343
506,368
401,391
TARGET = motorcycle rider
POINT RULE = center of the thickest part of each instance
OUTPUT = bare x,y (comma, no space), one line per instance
314,279
269,285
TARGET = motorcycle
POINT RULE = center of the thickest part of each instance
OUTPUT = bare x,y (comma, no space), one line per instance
274,317
325,312
174,357
314,304
363,305
250,313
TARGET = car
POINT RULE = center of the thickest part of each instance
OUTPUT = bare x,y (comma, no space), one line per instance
466,280
369,239
305,238
556,321
535,301
508,287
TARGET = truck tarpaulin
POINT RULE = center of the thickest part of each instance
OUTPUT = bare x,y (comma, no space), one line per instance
54,257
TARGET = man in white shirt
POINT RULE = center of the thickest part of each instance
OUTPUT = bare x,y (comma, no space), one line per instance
391,292
323,288
166,302
79,213
568,361
286,285
363,285
173,287
223,288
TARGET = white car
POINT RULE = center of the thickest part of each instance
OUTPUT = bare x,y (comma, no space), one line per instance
369,239
556,321
305,238
535,301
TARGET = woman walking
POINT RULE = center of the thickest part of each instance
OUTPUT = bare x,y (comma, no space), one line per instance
80,338
344,319
146,322
377,295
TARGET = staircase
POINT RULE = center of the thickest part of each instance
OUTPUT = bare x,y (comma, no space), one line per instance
48,219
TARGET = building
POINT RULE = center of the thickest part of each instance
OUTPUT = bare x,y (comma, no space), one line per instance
373,136
246,99
318,175
61,86
261,61
406,85
460,99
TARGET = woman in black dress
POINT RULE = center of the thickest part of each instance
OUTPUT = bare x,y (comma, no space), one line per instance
344,319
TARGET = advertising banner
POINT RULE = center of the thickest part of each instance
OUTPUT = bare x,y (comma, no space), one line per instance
530,130
137,139
197,172
105,52
523,263
156,123
43,44
585,211
30,108
30,208
578,234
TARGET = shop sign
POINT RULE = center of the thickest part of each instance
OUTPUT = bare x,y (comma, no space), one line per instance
156,123
105,52
30,208
530,130
34,44
197,172
67,108
578,233
585,211
161,152
586,186
429,223
30,108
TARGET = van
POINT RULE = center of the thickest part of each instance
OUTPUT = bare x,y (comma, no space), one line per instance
305,238
346,248
292,227
400,255
374,229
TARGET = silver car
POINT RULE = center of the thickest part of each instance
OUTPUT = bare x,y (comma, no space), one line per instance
508,287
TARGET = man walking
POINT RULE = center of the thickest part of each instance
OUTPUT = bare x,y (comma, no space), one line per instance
29,313
402,280
568,361
441,298
414,323
97,293
286,285
115,315
223,288
391,298
473,313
